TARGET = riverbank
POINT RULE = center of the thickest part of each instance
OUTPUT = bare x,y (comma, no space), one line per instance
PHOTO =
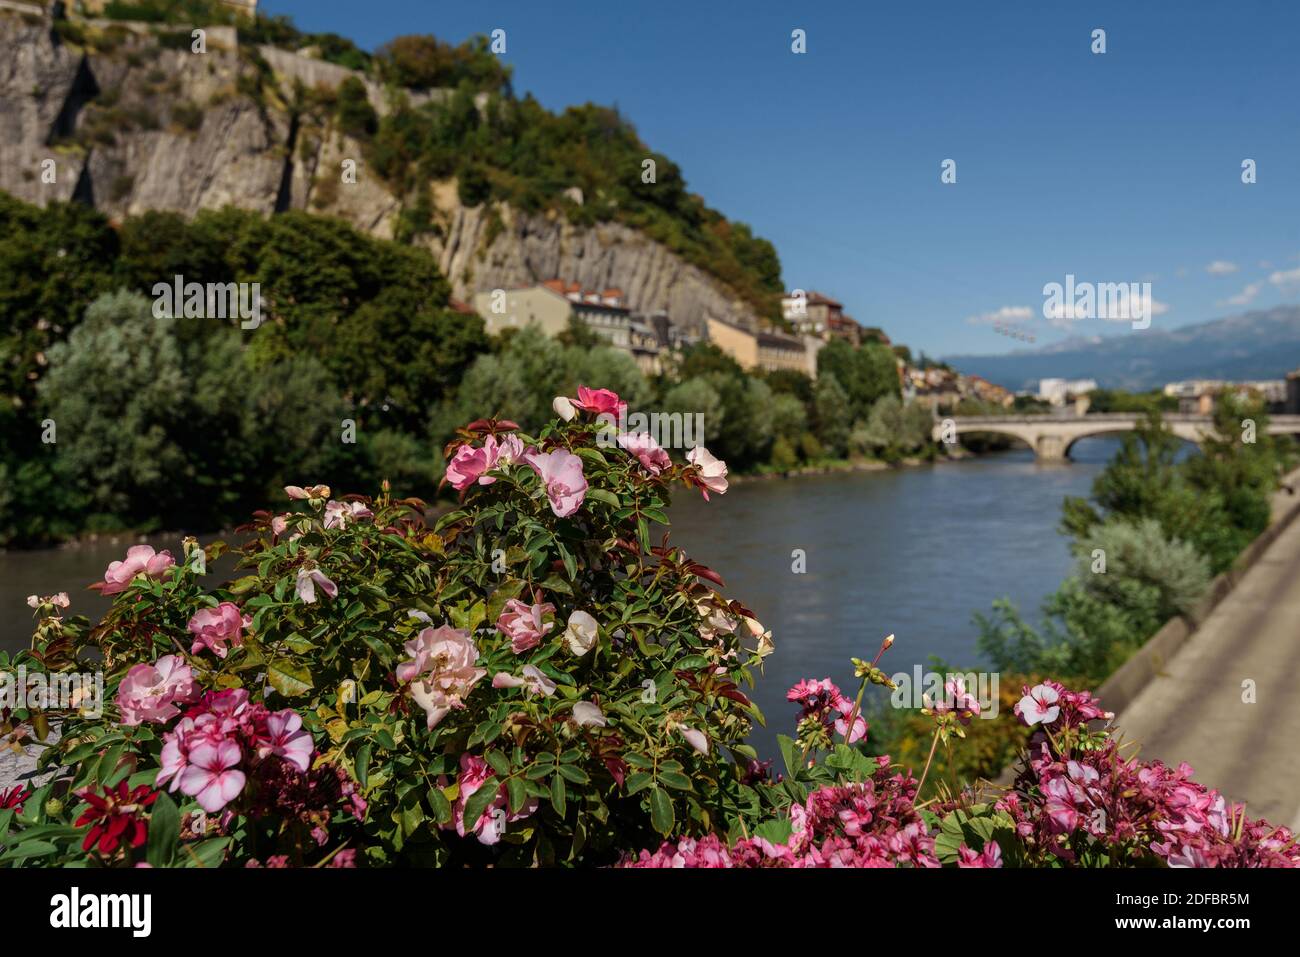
128,537
1128,681
1218,690
858,465
1240,635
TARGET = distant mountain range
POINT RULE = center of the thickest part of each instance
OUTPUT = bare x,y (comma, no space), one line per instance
1256,345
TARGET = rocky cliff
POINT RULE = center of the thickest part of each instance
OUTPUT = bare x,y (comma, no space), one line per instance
130,120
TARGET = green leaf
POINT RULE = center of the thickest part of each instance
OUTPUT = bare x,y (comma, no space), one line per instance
500,763
777,831
789,754
675,779
362,765
557,794
575,774
440,805
478,801
164,831
517,794
497,602
208,853
604,495
30,849
288,678
661,811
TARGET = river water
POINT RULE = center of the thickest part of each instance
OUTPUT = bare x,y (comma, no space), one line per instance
913,552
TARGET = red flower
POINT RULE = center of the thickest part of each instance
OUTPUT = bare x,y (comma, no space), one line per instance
115,816
14,798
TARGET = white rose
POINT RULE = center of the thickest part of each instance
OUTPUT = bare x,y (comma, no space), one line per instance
564,408
588,714
580,634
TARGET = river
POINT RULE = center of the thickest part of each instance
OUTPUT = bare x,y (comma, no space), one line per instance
913,552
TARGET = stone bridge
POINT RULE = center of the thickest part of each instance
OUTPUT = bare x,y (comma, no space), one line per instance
1050,436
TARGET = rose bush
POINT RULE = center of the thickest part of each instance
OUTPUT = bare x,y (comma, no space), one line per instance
534,679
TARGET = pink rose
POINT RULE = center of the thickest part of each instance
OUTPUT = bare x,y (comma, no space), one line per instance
695,738
641,444
711,472
213,627
151,692
341,514
140,560
312,491
561,474
469,464
474,773
600,401
441,670
523,624
308,579
533,682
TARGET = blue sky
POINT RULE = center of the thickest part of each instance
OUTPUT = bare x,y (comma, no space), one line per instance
1119,167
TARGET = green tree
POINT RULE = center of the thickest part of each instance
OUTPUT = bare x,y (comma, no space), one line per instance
53,263
357,118
866,373
830,407
127,395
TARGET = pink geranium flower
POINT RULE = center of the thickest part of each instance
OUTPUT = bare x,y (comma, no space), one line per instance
599,401
140,560
990,857
1040,704
286,739
561,475
647,451
211,776
213,627
151,692
711,472
523,624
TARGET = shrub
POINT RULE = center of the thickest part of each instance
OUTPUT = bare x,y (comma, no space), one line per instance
357,118
532,680
1076,802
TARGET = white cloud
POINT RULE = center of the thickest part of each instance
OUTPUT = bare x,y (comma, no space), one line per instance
1286,277
1245,297
1009,315
1221,267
